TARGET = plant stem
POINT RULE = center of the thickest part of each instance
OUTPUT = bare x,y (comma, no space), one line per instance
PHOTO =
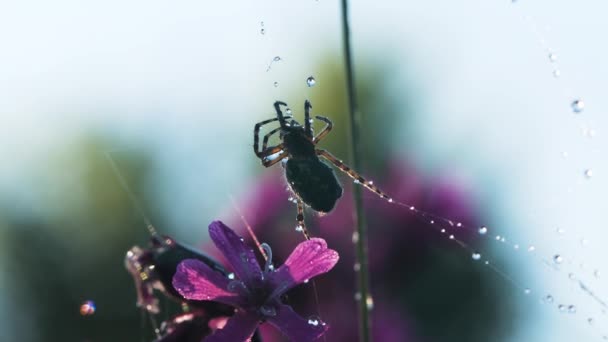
355,151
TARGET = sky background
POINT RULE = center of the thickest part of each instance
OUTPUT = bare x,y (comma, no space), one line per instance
186,81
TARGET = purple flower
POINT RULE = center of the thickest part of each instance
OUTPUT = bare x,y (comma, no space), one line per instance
255,293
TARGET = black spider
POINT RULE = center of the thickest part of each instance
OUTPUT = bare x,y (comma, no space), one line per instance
312,181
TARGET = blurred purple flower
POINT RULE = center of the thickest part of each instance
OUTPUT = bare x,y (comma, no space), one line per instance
255,293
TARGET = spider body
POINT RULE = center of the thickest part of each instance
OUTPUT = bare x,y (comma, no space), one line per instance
313,182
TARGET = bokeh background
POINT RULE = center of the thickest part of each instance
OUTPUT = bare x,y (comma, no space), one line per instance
464,118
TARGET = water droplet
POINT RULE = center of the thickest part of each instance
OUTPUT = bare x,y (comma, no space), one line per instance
558,259
288,111
306,281
497,237
433,222
516,246
451,237
572,309
531,249
560,231
315,321
561,307
355,237
369,303
442,230
590,320
588,173
577,106
262,31
276,58
390,200
458,224
87,308
299,228
412,208
476,256
552,57
486,262
357,181
572,276
268,310
556,73
357,267
527,291
596,273
358,296
310,81
370,182
276,84
230,275
482,230
549,298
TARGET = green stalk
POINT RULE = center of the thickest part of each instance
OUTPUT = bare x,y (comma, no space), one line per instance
355,151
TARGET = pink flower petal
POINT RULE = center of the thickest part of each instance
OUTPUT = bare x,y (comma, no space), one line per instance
295,327
240,256
309,259
195,280
239,328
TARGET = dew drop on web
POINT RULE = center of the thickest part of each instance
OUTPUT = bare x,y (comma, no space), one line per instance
577,105
310,81
482,230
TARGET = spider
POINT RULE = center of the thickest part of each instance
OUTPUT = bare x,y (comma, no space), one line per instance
312,181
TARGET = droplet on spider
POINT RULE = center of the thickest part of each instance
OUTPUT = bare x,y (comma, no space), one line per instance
87,308
577,105
288,111
310,81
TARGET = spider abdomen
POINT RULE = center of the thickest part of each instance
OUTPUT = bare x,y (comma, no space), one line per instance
314,182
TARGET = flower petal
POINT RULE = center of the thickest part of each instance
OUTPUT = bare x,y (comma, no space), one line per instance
309,259
240,256
195,280
239,328
295,327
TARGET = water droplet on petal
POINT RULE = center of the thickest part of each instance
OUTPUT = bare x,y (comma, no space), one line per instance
87,308
577,106
549,298
561,307
558,259
262,31
310,81
572,309
315,321
482,230
476,256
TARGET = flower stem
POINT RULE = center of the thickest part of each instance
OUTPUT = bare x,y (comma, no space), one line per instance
355,151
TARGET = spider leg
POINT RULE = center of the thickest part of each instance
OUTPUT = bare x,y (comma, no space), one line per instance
353,174
267,136
307,123
280,116
269,162
300,218
328,126
256,133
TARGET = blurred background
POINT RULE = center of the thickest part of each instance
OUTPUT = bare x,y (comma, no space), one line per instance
467,115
